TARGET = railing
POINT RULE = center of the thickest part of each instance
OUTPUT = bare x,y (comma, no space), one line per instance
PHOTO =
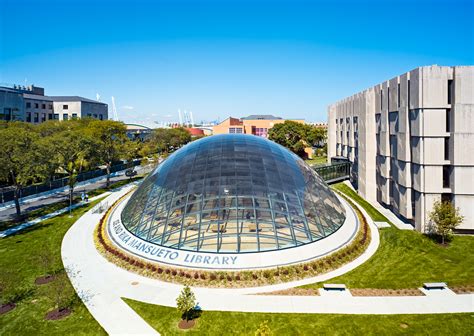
334,172
7,194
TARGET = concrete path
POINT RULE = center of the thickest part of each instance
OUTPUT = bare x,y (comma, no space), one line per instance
101,284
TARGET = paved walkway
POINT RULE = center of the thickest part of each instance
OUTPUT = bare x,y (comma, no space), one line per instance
22,226
101,284
33,202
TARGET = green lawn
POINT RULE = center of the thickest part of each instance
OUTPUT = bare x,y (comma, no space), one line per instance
317,160
19,255
406,259
165,320
373,213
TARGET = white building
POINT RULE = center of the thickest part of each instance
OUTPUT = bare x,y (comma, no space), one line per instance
411,142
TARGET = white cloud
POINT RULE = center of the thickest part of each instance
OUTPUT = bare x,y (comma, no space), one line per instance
128,107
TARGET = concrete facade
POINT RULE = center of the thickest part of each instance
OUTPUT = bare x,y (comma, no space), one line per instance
409,140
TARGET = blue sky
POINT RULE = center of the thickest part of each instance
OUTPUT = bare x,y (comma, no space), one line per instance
226,58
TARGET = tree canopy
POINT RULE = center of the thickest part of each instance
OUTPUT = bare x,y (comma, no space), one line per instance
445,218
296,136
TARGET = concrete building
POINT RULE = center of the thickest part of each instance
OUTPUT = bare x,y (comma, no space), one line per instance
254,124
12,106
410,140
30,104
68,107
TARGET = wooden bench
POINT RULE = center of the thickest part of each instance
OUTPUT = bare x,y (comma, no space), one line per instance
339,287
435,285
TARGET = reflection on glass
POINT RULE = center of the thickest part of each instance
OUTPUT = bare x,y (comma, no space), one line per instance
233,193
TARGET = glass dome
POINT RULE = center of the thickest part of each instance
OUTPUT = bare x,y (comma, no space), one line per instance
233,193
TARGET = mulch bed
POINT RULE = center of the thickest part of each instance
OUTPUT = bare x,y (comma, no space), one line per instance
44,279
183,324
5,308
294,291
386,292
58,314
467,289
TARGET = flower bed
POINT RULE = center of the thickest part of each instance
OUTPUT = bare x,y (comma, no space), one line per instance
249,278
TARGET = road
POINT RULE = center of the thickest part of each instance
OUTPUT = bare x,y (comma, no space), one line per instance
9,213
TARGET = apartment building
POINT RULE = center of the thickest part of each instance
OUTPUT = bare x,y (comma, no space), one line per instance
410,140
256,124
30,104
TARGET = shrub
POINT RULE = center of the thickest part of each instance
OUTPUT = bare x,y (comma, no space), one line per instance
203,276
229,278
196,276
173,272
213,276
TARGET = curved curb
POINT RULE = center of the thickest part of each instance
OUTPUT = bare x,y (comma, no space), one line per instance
102,284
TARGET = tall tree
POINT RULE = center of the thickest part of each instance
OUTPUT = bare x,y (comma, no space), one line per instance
21,160
110,142
72,149
291,135
446,218
165,140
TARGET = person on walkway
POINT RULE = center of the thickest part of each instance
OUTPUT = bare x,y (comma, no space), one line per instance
87,198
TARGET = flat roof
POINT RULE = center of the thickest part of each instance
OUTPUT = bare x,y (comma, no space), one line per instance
74,98
261,117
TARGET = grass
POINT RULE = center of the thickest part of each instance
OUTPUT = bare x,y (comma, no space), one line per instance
19,255
407,259
317,160
36,213
165,320
371,211
47,209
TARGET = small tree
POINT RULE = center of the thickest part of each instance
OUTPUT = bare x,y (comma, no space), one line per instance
60,291
445,218
263,330
185,303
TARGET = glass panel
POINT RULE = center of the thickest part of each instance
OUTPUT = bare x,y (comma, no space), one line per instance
234,193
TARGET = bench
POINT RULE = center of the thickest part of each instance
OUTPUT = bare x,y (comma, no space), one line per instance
435,285
340,287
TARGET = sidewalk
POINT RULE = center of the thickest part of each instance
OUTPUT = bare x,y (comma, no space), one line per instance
17,228
65,189
101,284
8,212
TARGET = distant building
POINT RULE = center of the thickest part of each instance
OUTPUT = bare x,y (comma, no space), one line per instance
411,142
258,125
30,104
322,125
138,132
